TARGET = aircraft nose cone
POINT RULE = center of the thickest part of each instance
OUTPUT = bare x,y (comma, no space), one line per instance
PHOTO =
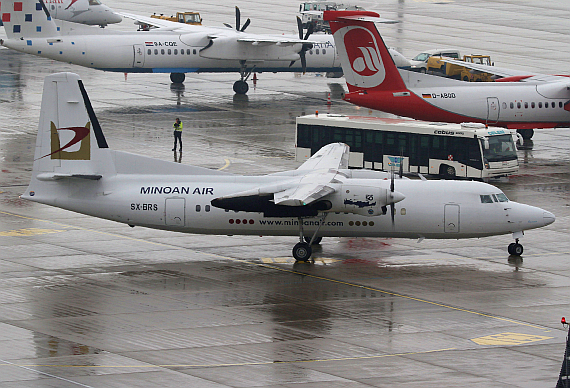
548,218
396,196
115,18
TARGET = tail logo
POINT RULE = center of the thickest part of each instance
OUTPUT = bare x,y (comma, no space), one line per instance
80,134
363,52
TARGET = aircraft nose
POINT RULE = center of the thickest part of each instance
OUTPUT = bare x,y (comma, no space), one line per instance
115,18
548,217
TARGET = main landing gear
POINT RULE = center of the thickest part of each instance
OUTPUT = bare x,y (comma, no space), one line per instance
241,86
515,248
177,78
302,251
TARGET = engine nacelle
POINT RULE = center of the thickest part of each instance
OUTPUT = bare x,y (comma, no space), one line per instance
362,200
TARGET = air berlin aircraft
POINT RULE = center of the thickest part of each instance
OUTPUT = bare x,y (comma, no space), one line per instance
374,82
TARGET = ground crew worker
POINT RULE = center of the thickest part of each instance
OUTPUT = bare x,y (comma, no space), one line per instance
177,133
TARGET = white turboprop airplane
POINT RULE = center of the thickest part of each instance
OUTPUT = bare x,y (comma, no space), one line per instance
374,82
171,47
91,12
75,170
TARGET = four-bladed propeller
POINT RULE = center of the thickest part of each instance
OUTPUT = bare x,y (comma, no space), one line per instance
306,46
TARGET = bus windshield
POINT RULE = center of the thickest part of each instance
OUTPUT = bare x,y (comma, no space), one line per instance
501,148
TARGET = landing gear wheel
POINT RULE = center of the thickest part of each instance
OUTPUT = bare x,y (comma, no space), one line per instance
316,241
177,78
526,133
515,249
241,87
302,251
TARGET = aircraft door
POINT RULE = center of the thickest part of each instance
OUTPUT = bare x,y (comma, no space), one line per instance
138,60
492,110
174,211
451,218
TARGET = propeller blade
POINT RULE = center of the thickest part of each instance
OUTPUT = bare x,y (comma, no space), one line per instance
401,169
393,214
238,16
227,25
245,25
292,63
300,27
392,181
309,31
303,61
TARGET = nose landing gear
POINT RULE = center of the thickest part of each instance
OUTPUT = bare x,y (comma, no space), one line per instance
515,248
241,86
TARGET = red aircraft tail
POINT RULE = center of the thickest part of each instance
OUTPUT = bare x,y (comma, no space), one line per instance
365,60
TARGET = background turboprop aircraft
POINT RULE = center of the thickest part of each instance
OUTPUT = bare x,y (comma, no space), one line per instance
171,47
374,82
74,169
90,12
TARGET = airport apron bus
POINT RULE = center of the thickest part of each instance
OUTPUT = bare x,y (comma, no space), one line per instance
468,150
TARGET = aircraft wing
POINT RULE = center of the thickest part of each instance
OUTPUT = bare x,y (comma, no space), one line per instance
158,23
305,188
260,39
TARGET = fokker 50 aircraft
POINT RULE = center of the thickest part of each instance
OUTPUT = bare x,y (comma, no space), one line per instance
171,47
374,82
74,169
90,12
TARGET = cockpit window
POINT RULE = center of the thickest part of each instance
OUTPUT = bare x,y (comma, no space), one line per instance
486,199
502,197
94,2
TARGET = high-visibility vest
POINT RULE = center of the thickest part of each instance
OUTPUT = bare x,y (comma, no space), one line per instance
179,127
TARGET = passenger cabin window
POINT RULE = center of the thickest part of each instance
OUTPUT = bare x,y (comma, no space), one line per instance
317,51
486,199
512,105
560,104
532,105
197,208
324,51
540,104
207,208
194,51
518,105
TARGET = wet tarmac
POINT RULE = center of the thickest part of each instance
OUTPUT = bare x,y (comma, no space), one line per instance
93,303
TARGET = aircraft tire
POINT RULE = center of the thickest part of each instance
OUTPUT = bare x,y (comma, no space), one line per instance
527,133
316,241
515,249
177,78
241,87
302,251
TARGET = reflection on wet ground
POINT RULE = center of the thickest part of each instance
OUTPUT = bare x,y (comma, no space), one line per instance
94,303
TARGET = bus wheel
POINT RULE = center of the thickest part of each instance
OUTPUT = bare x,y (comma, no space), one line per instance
447,171
466,79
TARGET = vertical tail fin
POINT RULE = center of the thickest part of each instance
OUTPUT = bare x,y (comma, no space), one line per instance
26,19
365,60
70,141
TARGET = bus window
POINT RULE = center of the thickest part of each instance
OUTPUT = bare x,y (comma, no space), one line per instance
501,148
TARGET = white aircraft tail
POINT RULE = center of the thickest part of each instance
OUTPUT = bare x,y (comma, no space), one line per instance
365,60
27,19
70,141
72,152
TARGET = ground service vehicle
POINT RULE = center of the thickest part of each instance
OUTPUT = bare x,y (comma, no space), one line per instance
182,17
468,150
312,13
419,62
438,65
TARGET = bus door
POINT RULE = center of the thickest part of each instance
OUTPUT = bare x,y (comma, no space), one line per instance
174,211
451,218
492,110
138,60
